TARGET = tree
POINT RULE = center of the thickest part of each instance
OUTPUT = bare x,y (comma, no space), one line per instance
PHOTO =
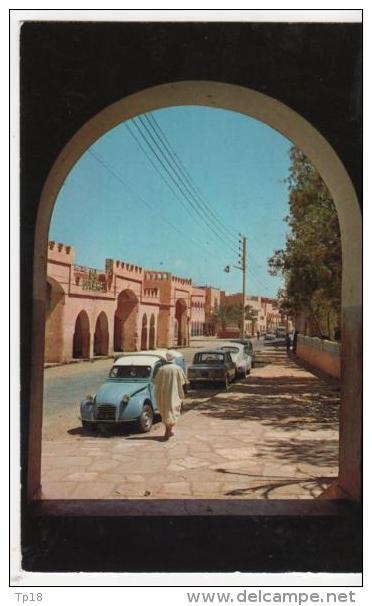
226,315
311,260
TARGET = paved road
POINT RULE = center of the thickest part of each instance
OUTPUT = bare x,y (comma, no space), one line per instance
273,435
65,386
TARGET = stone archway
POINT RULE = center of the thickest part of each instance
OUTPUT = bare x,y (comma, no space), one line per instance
81,338
144,332
125,322
101,336
152,332
296,128
181,317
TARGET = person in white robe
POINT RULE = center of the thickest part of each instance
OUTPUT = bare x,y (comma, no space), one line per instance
169,393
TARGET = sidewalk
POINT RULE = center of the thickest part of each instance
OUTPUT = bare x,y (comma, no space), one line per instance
273,436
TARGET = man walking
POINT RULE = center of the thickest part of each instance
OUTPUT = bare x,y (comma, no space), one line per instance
169,393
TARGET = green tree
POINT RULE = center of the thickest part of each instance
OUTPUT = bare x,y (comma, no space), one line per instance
227,315
311,260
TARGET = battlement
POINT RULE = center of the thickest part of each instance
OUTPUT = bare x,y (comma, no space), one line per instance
123,267
183,281
61,253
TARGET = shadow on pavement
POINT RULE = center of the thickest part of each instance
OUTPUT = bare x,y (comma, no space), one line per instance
125,430
263,490
284,403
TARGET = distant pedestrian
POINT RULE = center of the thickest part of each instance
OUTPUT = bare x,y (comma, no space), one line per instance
294,346
169,393
258,335
288,342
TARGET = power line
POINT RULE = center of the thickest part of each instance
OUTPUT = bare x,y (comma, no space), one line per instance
185,175
152,208
185,188
126,184
190,202
117,176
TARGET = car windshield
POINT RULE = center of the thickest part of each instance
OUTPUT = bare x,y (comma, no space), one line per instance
231,349
130,372
209,358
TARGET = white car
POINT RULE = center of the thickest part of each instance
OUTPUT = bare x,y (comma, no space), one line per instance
241,359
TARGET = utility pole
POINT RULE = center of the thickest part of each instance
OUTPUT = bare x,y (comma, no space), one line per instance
242,266
243,263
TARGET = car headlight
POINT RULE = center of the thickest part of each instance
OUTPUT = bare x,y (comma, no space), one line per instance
125,398
89,399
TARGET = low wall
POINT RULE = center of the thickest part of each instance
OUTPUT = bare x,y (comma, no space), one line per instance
320,353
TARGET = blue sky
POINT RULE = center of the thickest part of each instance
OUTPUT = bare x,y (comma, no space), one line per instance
115,204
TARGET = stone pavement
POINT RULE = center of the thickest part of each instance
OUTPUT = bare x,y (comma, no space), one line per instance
272,436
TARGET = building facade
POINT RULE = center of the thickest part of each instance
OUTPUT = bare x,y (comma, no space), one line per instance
262,312
92,312
121,308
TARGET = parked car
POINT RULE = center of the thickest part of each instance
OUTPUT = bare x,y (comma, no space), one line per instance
128,393
270,336
248,348
161,352
179,359
241,359
211,366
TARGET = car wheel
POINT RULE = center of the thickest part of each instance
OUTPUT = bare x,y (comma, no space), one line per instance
146,418
88,426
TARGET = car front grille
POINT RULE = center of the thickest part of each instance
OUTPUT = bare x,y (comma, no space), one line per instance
106,412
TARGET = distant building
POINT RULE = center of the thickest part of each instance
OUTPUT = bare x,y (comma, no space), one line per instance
212,303
263,311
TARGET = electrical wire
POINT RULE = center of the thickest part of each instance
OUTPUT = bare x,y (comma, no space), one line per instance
187,198
185,177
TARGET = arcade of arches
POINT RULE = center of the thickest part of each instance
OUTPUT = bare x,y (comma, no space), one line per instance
124,308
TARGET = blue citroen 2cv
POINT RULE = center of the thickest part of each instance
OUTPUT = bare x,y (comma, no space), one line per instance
128,394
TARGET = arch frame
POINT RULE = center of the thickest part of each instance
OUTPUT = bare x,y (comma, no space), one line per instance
293,126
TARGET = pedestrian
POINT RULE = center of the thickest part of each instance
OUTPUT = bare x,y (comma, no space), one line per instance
288,342
258,335
169,393
294,346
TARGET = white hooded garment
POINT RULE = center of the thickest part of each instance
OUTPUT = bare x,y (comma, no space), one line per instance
169,392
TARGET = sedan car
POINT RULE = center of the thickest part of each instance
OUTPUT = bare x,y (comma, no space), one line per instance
241,359
248,349
270,336
211,366
128,394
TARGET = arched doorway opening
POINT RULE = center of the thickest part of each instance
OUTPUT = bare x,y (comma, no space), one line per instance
144,332
101,336
54,342
181,317
152,332
81,338
293,126
125,322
